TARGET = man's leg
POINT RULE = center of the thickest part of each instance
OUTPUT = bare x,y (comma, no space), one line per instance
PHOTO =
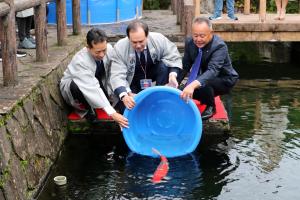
29,22
220,86
23,31
206,95
78,96
160,74
230,9
21,22
218,10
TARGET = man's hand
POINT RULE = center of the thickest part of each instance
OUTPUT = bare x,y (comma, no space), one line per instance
131,94
173,81
120,119
128,101
188,91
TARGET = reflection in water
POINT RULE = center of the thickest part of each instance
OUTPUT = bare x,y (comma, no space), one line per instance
271,121
259,160
266,130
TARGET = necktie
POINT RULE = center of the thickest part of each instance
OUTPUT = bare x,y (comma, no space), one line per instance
100,71
142,59
195,68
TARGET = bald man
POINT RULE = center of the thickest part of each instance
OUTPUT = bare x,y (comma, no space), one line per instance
207,61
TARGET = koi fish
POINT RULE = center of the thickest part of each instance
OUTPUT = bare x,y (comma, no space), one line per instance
162,169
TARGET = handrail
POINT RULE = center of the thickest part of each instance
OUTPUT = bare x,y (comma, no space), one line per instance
4,9
8,8
19,6
182,11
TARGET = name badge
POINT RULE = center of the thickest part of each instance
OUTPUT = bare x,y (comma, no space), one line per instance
145,83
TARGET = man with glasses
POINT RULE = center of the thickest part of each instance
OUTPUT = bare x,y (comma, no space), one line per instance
211,73
141,60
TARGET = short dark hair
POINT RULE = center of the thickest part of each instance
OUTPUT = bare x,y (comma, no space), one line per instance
134,25
95,36
200,20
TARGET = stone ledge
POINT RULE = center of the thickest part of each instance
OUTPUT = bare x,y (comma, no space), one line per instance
33,122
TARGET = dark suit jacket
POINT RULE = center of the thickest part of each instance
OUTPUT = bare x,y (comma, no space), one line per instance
215,62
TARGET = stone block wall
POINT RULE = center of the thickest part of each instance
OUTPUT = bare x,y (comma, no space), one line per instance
31,136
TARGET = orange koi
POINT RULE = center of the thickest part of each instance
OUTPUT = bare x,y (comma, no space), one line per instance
162,169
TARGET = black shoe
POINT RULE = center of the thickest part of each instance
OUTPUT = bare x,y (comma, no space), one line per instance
21,54
208,112
91,116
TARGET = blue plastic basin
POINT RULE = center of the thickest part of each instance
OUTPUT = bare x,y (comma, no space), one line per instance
162,120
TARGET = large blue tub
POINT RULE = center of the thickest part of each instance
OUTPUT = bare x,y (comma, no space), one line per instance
100,11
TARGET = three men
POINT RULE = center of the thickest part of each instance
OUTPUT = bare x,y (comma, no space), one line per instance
212,74
145,58
140,59
85,83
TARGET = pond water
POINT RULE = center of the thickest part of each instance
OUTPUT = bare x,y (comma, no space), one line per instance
259,159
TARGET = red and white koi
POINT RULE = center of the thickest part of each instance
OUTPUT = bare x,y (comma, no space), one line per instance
162,169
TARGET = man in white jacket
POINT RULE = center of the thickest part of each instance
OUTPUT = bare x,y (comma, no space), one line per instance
85,82
141,59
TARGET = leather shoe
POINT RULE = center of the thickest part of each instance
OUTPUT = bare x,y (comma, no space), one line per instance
91,117
208,112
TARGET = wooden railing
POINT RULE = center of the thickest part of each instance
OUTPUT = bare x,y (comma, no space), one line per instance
186,10
8,8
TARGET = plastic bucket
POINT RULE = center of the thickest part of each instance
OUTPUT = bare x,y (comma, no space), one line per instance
162,120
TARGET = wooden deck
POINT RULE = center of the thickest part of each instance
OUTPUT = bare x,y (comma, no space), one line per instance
249,28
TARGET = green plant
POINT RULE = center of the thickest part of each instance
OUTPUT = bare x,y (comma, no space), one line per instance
156,4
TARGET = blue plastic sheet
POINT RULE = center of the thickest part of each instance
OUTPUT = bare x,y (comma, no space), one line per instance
100,11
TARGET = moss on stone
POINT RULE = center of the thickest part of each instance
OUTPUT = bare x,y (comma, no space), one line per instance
24,164
4,176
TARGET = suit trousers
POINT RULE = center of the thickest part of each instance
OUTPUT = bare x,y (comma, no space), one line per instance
206,95
24,26
78,96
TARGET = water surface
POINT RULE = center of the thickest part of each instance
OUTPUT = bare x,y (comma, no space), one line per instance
259,159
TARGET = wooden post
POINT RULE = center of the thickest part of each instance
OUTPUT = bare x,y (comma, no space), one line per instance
175,2
197,7
178,12
41,32
187,16
246,7
61,22
76,17
262,10
172,5
8,44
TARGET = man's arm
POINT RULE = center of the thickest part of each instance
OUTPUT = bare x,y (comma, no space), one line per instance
215,64
118,77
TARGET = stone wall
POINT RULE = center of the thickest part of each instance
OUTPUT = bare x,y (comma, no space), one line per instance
31,136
